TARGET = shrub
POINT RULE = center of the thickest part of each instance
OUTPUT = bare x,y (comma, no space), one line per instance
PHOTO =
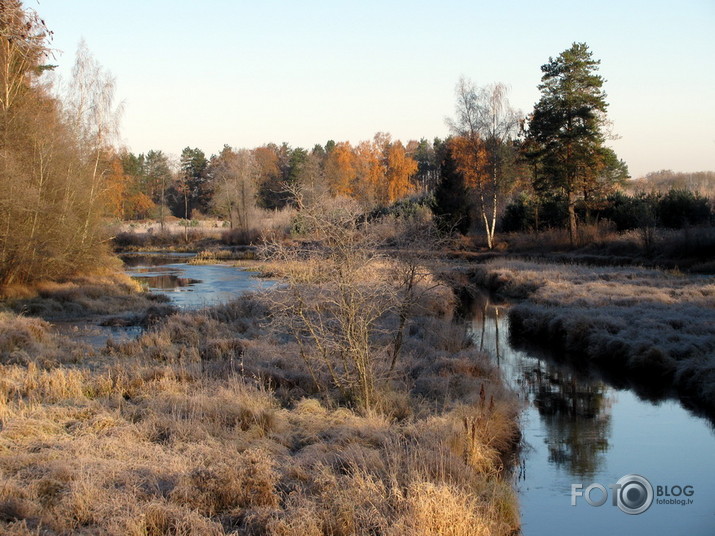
679,208
631,212
240,237
529,213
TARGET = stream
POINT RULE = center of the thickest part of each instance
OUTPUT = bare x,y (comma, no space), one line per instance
577,429
186,285
191,286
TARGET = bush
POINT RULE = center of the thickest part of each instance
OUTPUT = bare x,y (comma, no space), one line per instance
240,237
529,213
631,212
519,215
675,209
679,208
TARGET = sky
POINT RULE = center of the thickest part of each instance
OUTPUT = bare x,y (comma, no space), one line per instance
245,73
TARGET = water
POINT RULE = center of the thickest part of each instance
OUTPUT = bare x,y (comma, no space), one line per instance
192,286
187,286
580,430
577,428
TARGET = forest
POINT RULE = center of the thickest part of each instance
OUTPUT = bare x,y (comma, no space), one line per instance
66,179
348,395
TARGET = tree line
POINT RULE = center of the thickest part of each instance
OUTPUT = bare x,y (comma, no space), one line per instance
63,176
234,182
556,154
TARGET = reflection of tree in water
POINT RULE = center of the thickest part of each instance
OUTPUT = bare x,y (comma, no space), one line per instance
576,417
576,414
166,282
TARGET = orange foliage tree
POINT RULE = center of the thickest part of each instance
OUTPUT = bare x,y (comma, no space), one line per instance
377,172
123,193
340,169
115,187
400,169
370,173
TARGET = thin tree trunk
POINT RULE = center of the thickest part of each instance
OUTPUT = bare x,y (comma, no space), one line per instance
485,218
163,201
404,312
494,215
92,192
572,218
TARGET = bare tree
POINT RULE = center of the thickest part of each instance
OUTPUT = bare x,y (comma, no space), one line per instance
50,217
348,298
487,126
23,46
235,174
90,111
415,242
334,298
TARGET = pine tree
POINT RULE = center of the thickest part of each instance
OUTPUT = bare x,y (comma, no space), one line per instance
566,131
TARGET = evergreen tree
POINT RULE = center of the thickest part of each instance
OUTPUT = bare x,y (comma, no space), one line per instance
194,184
427,174
451,199
566,130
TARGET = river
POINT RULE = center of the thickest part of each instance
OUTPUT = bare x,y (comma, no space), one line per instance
577,429
191,286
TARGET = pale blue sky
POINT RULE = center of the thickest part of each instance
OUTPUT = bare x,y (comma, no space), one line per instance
205,73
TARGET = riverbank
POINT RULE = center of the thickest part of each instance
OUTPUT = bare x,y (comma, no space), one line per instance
652,329
209,423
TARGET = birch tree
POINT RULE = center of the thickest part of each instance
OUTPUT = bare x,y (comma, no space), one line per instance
92,114
486,126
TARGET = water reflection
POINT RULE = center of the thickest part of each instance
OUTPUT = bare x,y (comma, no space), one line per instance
166,281
190,286
132,260
576,417
581,425
575,411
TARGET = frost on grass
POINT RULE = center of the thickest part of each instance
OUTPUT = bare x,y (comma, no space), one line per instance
657,327
209,424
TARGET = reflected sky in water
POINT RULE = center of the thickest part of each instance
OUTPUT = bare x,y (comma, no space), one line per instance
579,430
193,286
186,285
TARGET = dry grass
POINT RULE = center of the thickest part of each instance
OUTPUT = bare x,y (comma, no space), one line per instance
216,255
209,424
200,234
653,327
81,297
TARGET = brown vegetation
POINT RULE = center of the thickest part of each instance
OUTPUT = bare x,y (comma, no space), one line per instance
664,180
54,153
210,423
197,235
80,297
654,328
690,249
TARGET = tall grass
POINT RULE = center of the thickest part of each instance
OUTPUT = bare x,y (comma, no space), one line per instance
210,424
